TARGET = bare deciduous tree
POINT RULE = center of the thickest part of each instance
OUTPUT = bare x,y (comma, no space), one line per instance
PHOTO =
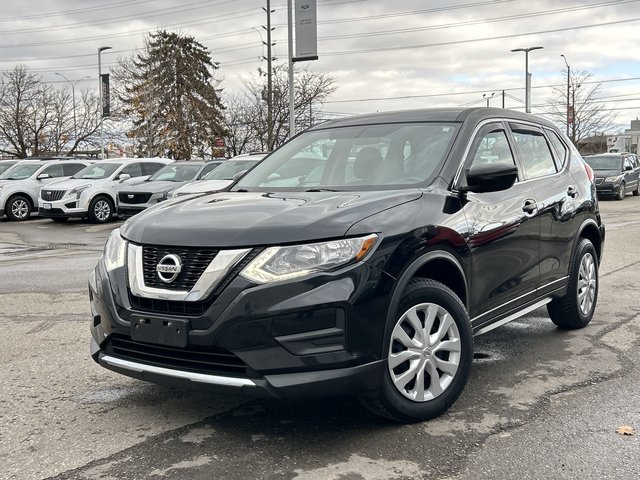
590,116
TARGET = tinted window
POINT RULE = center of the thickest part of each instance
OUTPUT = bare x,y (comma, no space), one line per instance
534,153
493,147
628,163
207,168
54,171
559,146
358,157
228,169
151,168
604,162
72,168
133,169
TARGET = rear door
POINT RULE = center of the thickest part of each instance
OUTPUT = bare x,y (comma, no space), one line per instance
503,234
544,164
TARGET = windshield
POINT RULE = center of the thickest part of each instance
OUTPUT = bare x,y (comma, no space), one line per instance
20,172
228,169
97,171
5,166
175,173
359,157
604,162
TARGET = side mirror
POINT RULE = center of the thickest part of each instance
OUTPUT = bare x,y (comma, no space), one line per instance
627,168
123,177
239,175
43,176
490,177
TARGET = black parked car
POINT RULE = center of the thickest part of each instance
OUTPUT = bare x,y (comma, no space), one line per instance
616,174
371,277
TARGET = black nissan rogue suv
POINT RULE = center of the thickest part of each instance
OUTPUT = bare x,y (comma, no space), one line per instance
361,257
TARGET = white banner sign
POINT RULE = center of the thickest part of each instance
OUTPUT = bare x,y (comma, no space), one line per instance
306,31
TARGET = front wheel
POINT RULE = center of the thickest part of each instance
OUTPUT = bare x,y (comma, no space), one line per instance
575,309
623,192
636,192
100,210
18,208
429,353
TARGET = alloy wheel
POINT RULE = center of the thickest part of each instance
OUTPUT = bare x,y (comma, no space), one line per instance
102,210
587,283
425,352
20,209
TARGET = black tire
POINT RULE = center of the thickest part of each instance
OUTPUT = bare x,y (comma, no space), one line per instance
100,209
569,312
623,192
393,402
636,192
18,208
60,219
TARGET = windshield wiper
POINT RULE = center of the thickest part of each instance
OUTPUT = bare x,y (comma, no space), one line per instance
321,190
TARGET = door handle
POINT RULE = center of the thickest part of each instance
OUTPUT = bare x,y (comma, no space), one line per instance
530,207
572,191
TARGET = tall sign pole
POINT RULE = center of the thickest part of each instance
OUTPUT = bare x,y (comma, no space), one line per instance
292,108
102,99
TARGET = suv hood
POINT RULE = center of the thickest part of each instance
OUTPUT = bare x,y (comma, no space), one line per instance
203,186
151,187
607,173
71,183
237,219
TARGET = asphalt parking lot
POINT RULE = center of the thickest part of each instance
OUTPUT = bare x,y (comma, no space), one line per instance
541,403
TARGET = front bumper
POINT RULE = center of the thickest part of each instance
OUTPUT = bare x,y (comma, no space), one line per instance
605,189
291,339
68,206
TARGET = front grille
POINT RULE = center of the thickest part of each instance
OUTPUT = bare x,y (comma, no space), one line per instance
599,181
193,358
194,262
134,198
193,309
52,195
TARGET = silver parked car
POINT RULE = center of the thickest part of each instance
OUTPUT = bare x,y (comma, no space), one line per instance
20,184
133,198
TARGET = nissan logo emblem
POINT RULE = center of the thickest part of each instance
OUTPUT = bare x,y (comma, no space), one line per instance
169,267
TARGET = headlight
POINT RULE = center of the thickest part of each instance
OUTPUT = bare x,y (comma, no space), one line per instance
78,190
115,251
612,179
285,263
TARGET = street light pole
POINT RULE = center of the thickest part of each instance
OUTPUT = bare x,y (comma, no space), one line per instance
73,99
568,88
488,97
527,80
100,50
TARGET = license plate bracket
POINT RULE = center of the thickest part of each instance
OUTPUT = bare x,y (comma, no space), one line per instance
163,331
46,206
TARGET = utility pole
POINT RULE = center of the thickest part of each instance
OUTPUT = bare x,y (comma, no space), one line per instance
503,95
269,79
568,88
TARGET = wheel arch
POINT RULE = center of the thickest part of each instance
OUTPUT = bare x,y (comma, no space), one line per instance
20,193
440,265
591,231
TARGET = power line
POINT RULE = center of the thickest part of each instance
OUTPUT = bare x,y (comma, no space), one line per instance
75,10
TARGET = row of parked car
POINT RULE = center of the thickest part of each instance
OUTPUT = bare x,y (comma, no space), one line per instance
60,188
616,174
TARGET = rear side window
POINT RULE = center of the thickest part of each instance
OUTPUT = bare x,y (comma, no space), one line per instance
207,168
534,152
559,147
72,168
151,168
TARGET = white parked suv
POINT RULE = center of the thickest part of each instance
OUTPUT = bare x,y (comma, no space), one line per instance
20,184
92,192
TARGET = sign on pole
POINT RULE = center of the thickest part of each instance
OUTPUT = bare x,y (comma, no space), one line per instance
306,31
104,85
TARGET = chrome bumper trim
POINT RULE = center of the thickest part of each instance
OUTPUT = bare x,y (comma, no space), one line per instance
168,372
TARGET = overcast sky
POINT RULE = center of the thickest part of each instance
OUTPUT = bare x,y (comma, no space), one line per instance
385,55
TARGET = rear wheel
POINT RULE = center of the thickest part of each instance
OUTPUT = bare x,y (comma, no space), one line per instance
623,192
18,208
575,309
100,210
429,354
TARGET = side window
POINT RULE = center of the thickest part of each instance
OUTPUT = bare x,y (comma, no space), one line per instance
132,169
627,163
207,168
492,147
559,146
534,152
54,171
72,168
151,168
